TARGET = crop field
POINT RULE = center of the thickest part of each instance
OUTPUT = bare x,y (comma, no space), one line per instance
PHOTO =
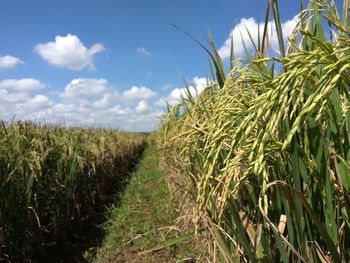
254,167
264,151
52,177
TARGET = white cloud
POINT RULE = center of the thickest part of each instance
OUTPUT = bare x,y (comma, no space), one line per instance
177,94
143,52
118,110
40,100
64,109
200,83
9,62
96,102
38,103
173,98
105,101
83,102
12,97
26,84
69,52
239,34
142,107
22,105
84,88
138,93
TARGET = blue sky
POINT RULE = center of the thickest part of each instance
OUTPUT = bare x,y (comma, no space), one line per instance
111,63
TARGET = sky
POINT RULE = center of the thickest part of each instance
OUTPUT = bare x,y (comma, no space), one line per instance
114,63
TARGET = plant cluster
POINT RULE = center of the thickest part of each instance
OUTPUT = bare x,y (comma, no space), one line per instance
265,151
52,177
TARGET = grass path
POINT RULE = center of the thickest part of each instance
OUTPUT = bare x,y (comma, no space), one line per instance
144,218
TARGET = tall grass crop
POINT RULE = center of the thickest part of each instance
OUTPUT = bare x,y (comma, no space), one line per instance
266,154
51,177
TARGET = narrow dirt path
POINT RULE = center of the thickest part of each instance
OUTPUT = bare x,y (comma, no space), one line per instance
144,219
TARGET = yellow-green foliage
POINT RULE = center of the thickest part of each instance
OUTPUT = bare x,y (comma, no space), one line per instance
266,155
51,176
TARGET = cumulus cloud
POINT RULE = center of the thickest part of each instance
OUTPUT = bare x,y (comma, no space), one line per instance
68,52
105,101
26,84
9,62
200,83
138,93
22,104
119,110
143,52
12,97
84,88
177,94
142,107
40,100
239,34
83,102
38,103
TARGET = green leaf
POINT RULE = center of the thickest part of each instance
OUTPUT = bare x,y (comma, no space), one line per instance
278,23
171,242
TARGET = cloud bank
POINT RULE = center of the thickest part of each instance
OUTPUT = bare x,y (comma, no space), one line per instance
83,102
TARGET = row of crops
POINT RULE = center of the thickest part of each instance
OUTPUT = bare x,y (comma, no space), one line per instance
265,151
52,177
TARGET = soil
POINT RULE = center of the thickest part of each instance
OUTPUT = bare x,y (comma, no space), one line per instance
131,255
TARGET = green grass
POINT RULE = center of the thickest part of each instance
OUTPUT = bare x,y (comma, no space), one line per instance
143,219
